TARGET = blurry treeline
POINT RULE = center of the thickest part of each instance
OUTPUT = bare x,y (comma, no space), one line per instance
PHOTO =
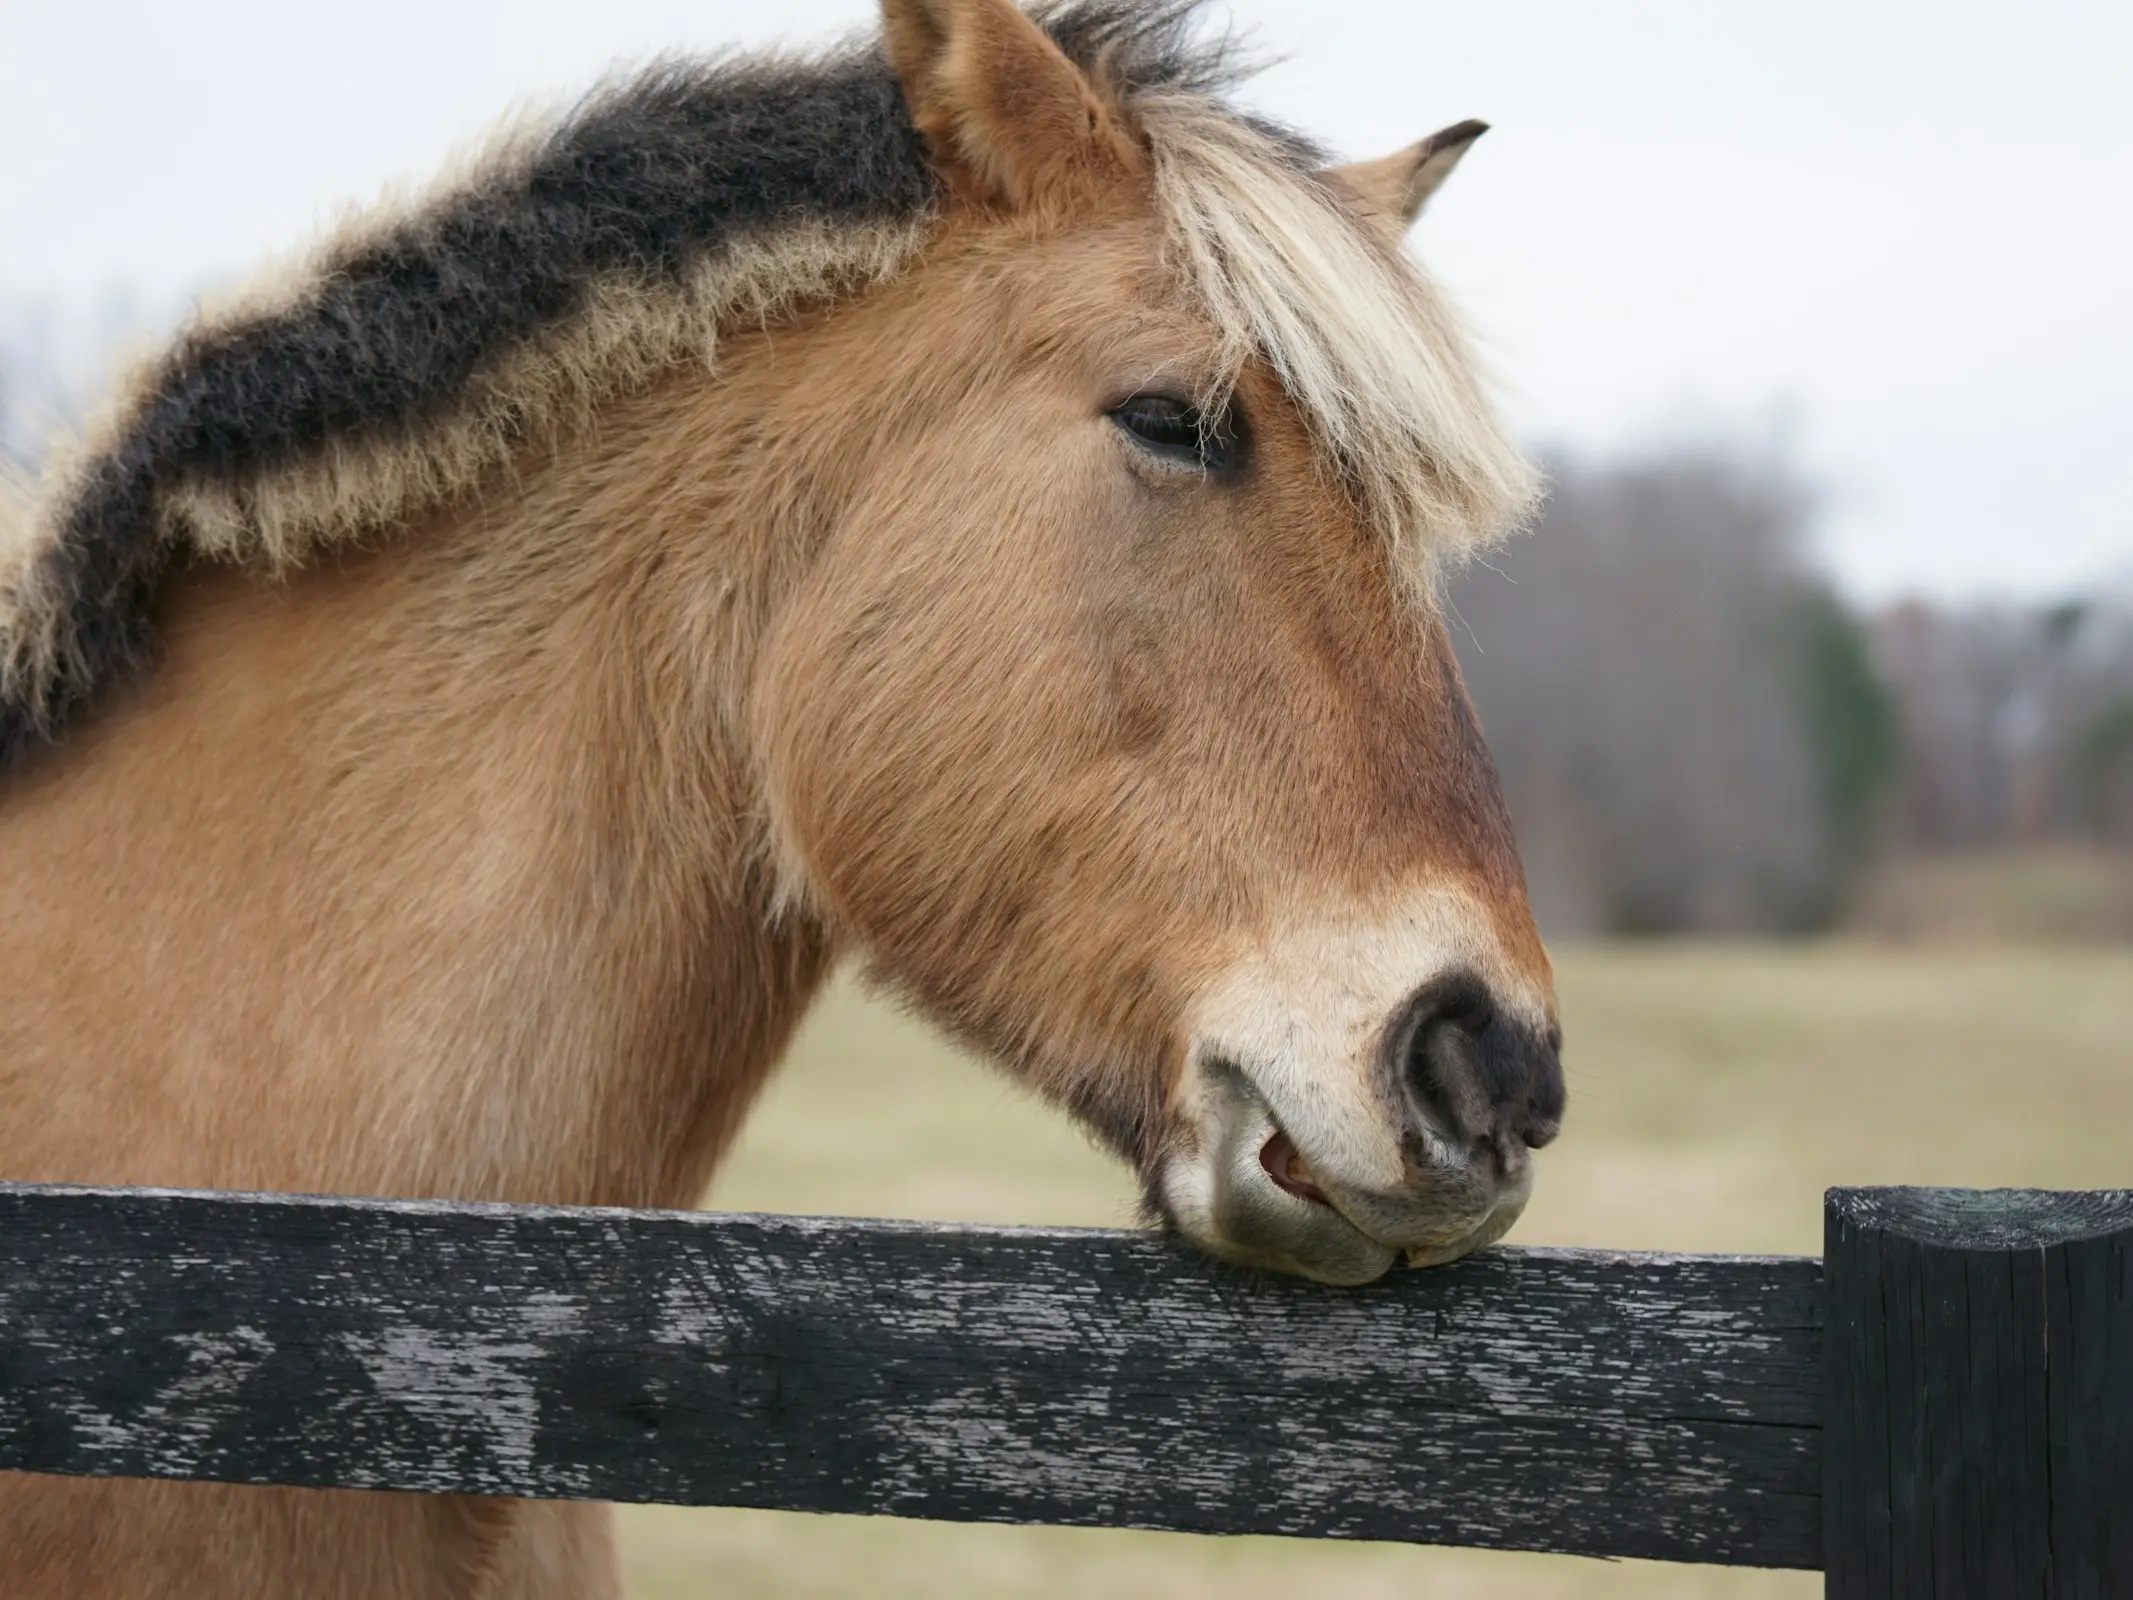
2018,723
32,401
21,377
56,361
1698,734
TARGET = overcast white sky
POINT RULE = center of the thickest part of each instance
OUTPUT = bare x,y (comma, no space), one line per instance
1906,225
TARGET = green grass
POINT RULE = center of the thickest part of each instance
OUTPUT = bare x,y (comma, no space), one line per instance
1716,1090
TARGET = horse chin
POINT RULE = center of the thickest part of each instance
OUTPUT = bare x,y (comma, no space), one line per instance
1252,1221
1494,1226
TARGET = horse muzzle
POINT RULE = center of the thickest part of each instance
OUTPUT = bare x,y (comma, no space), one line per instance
1418,1150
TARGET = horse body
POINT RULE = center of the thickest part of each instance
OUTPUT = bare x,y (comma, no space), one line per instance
1001,613
288,860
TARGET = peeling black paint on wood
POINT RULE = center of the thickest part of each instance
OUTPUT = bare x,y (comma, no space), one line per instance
1980,1399
1615,1404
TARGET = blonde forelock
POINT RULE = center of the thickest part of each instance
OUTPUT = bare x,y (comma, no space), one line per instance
1364,344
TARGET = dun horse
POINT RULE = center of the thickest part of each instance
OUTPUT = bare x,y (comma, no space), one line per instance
973,506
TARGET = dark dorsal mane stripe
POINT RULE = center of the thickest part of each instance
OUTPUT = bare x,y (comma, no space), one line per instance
647,180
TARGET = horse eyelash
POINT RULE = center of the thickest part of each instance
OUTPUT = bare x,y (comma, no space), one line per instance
1216,442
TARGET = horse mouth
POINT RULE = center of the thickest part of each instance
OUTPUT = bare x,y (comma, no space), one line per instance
1284,1163
1247,1190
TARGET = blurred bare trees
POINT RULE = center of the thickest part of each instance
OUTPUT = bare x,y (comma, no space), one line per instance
2017,724
33,403
57,358
15,430
1688,723
1698,735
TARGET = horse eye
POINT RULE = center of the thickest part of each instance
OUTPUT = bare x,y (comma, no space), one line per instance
1180,431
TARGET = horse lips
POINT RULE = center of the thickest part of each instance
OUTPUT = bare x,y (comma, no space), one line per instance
1285,1165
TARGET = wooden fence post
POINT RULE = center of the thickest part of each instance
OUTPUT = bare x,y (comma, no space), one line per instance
1978,1394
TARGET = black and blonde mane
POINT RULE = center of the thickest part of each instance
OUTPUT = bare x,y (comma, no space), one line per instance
420,348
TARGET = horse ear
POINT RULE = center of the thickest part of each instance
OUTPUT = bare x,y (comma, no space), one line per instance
1010,120
1399,185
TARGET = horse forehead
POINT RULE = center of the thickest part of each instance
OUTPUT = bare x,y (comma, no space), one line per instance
1110,279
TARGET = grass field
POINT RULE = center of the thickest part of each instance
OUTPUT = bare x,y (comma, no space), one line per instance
1715,1091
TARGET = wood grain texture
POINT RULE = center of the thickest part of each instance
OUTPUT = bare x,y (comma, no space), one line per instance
1980,1394
1609,1404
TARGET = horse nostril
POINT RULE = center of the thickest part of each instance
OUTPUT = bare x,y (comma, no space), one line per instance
1443,1026
1473,1074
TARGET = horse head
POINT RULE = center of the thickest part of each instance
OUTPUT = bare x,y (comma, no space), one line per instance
1116,720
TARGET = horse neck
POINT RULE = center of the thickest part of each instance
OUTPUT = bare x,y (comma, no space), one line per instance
472,822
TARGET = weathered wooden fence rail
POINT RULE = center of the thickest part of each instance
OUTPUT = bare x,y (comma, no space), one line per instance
1945,1407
